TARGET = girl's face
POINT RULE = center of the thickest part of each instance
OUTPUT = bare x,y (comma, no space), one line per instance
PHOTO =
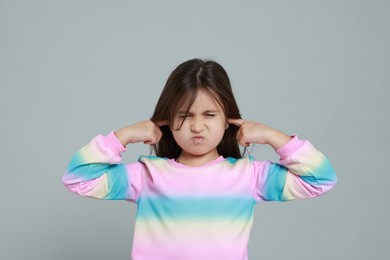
202,130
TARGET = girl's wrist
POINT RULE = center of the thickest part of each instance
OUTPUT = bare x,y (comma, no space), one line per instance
277,139
122,137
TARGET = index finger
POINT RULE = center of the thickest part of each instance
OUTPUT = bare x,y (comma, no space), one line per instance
235,121
162,123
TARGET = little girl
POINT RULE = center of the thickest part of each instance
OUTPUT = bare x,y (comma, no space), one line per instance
195,197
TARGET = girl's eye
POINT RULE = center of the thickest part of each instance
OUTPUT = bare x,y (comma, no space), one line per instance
210,115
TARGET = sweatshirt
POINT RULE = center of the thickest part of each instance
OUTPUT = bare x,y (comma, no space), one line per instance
203,212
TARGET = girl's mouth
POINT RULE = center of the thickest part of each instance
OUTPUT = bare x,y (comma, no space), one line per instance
197,139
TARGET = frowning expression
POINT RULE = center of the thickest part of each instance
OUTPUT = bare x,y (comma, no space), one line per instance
199,131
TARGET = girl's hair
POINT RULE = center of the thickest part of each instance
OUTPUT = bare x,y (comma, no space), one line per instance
180,91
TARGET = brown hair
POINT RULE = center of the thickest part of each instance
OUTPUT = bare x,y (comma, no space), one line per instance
181,89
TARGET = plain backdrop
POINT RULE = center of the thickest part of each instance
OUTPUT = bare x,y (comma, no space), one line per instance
70,70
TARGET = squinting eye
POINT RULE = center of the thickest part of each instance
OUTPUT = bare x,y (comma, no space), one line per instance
210,115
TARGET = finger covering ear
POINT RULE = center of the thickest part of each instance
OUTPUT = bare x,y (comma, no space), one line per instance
162,123
237,121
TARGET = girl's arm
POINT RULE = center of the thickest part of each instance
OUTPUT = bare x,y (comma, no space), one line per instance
95,171
256,133
303,172
147,132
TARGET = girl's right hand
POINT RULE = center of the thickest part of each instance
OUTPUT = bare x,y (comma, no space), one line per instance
147,132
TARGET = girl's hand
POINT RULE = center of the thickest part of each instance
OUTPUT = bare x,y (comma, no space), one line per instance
147,132
253,132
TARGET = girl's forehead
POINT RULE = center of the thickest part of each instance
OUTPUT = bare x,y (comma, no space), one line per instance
203,99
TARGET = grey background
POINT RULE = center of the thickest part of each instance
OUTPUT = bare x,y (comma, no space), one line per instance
70,70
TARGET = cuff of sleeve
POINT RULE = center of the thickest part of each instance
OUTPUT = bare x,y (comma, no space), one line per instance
290,147
112,141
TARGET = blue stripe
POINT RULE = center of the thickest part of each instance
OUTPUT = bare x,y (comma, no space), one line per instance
323,173
310,180
116,175
231,160
195,208
87,171
117,182
275,182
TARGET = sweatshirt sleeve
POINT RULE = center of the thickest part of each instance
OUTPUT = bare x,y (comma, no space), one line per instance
94,171
303,172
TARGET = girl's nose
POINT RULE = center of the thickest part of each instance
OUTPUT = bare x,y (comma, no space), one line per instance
197,125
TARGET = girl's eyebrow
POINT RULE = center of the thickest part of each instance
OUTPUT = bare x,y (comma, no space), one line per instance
182,112
204,112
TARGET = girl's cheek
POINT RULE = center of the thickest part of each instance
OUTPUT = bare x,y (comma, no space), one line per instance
179,124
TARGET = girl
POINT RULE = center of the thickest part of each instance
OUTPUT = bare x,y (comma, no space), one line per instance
195,198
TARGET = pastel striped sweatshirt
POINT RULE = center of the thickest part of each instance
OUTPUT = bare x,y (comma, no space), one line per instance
205,212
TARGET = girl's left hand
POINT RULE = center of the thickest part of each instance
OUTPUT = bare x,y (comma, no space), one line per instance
253,132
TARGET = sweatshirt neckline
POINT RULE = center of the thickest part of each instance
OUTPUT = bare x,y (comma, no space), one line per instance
174,163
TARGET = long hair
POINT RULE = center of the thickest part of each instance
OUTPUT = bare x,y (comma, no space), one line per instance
180,91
